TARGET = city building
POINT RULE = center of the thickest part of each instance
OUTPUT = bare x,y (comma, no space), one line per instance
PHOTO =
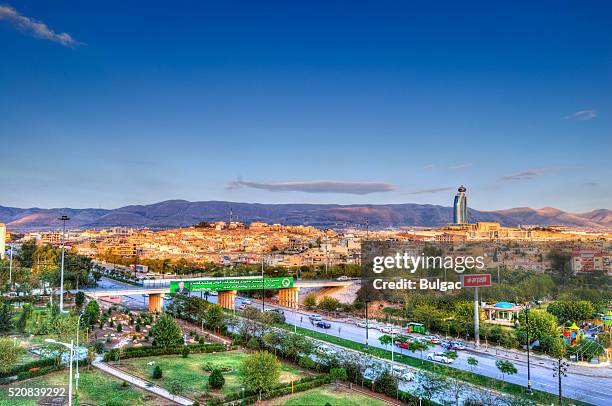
587,260
2,240
460,207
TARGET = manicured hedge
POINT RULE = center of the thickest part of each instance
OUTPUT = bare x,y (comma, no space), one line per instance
139,352
40,363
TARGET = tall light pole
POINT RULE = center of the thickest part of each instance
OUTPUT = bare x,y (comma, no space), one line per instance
263,285
528,363
11,266
71,348
63,219
560,371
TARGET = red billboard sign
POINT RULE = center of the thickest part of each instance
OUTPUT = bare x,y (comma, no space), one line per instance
475,281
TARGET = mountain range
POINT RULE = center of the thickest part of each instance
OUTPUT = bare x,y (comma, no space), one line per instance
180,213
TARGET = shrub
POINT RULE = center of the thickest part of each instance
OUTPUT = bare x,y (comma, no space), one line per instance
216,379
185,351
119,327
99,347
157,372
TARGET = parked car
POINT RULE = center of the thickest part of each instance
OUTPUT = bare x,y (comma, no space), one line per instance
342,278
315,317
362,324
433,339
403,346
323,324
458,345
439,357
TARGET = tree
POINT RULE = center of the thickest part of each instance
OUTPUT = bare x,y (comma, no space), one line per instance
91,313
329,303
6,317
553,346
215,317
260,372
79,299
157,372
506,368
185,352
420,346
292,345
338,374
310,301
167,332
385,339
216,379
451,354
457,388
175,387
386,384
26,311
472,362
571,310
10,354
541,324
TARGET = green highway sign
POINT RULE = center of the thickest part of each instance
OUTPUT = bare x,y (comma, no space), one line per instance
217,284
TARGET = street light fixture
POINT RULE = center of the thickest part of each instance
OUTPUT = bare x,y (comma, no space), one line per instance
71,348
63,219
560,371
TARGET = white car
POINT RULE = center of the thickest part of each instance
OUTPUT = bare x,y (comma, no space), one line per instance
315,317
439,357
342,278
385,329
362,324
247,302
394,331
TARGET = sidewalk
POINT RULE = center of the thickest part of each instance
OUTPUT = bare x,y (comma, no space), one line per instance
141,383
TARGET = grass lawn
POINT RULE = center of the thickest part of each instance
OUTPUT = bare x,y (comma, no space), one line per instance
189,371
328,394
95,388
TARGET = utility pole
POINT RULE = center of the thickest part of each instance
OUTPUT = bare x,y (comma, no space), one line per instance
63,219
367,323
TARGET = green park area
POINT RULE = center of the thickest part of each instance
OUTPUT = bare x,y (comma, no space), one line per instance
192,373
95,388
328,395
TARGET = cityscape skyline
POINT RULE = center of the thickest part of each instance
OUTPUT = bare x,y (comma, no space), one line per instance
366,108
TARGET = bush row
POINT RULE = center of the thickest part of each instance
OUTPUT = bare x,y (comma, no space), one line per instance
138,352
40,363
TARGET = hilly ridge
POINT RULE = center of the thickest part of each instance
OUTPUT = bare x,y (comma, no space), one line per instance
180,213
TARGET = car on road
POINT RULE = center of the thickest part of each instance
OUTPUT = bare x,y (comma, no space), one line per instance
394,331
362,324
315,317
458,345
247,302
432,339
439,357
452,345
403,346
323,324
342,278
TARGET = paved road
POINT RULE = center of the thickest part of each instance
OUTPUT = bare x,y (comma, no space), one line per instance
589,384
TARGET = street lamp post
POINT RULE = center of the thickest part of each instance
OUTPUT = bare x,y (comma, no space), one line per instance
63,219
263,286
528,363
560,371
11,267
71,348
367,323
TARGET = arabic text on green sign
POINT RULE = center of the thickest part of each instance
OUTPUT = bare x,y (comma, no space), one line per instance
217,284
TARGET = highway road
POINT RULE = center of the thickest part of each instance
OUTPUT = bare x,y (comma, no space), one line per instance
586,383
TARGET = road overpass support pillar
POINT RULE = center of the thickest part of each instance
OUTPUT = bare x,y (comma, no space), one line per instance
156,303
227,299
289,297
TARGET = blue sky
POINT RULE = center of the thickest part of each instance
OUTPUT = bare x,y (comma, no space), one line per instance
116,103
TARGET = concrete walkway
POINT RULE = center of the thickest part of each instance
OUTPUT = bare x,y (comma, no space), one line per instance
141,383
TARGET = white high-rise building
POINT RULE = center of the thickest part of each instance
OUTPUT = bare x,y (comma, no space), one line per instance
2,240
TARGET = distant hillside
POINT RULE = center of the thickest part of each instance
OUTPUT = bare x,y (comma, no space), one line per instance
178,213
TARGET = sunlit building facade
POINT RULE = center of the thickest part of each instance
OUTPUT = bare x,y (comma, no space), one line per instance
460,207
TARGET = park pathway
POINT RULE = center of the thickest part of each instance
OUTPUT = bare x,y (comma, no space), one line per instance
141,383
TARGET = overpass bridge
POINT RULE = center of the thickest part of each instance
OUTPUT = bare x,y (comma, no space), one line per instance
227,289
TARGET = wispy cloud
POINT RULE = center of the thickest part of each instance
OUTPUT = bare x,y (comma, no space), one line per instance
428,191
316,186
35,28
429,167
583,115
525,175
461,166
